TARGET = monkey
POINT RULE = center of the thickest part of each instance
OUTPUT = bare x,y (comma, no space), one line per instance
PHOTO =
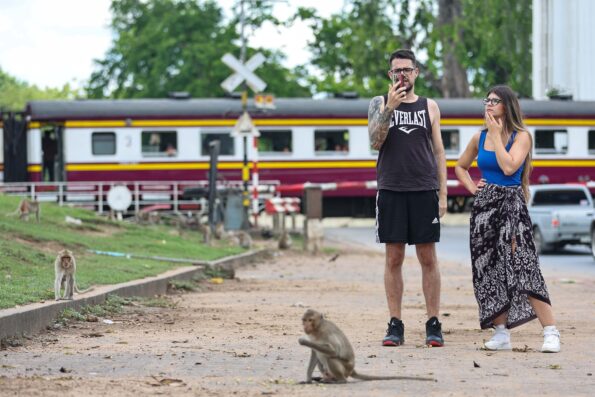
219,232
245,240
285,240
27,207
240,238
206,233
332,353
65,270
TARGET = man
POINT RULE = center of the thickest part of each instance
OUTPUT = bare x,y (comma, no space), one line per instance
411,197
50,150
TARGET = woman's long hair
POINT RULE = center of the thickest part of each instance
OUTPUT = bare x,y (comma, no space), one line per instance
513,120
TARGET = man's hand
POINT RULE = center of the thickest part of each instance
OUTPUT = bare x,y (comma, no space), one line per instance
396,96
442,205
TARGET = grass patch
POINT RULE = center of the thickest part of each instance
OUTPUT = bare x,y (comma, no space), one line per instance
113,305
182,285
157,301
217,272
28,250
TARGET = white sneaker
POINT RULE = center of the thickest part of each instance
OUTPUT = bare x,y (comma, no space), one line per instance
551,340
500,340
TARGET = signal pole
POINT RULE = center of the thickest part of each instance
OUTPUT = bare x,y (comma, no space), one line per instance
245,77
245,169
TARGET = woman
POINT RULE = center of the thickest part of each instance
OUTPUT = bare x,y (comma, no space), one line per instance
507,281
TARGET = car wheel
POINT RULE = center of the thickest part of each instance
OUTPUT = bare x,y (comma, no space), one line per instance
540,246
593,242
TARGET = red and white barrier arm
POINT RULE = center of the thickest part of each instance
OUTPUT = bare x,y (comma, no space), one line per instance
299,187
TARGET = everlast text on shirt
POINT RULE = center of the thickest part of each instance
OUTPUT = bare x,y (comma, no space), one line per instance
417,118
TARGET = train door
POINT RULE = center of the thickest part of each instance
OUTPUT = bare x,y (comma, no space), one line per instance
52,147
15,147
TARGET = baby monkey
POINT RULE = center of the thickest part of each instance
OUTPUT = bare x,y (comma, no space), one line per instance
332,353
65,270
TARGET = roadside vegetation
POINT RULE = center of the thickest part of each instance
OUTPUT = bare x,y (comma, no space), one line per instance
28,250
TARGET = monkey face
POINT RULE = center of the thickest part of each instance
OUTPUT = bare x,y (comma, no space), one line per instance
311,321
66,259
66,262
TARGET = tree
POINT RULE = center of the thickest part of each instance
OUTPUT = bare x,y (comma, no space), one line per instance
454,77
14,94
464,46
351,48
175,45
496,44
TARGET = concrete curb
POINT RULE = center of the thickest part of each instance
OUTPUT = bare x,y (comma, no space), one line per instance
30,319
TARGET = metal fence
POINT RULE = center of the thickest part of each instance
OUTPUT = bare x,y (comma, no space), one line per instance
166,196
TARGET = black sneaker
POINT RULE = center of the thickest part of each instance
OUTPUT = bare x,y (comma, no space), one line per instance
434,333
394,333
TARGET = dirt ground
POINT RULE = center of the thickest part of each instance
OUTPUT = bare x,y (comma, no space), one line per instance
240,338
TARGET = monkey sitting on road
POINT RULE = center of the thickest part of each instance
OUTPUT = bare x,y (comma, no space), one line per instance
332,352
65,270
284,241
27,207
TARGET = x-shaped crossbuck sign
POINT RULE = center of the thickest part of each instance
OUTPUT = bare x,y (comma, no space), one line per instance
243,72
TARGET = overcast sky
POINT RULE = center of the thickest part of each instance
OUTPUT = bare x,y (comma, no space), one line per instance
53,42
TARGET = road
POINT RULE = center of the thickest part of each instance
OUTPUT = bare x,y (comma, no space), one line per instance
454,246
239,338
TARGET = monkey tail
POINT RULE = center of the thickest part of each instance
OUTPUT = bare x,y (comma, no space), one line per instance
78,291
372,377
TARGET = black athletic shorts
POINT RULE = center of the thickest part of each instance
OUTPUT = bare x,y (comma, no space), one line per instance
407,217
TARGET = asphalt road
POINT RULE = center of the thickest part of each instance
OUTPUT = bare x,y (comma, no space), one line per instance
454,246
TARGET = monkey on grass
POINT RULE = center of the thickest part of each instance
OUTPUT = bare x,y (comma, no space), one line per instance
65,270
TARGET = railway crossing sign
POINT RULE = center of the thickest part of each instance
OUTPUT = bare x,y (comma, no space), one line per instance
245,127
244,72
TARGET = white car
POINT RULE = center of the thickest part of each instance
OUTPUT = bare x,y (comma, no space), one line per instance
561,214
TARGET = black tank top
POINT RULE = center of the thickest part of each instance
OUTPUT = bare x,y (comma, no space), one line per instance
406,161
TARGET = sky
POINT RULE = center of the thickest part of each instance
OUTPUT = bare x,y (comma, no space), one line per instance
53,42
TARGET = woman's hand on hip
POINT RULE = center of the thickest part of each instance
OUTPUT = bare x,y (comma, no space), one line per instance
480,185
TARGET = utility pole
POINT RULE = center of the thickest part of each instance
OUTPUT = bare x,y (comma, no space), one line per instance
244,127
245,169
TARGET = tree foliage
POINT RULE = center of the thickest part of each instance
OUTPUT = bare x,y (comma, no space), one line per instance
486,41
496,45
14,94
351,49
162,46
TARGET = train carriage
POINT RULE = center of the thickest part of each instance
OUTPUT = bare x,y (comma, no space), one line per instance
302,140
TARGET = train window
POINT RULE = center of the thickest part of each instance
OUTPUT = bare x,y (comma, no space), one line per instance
226,147
450,138
159,143
331,142
103,143
551,141
591,141
275,141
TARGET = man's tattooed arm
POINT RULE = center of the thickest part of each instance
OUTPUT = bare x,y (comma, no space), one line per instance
378,122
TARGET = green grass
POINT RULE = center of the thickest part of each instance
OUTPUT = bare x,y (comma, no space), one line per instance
28,250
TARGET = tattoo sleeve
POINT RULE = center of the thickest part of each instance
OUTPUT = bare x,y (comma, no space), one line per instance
378,122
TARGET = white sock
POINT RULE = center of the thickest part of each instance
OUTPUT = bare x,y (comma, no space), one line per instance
550,328
500,327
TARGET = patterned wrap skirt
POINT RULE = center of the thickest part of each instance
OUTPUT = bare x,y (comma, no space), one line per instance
502,279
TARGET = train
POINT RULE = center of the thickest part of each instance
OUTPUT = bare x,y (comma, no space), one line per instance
301,140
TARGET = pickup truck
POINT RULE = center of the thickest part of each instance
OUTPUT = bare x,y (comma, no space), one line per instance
561,214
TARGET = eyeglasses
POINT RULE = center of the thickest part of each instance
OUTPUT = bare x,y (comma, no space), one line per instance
401,70
491,101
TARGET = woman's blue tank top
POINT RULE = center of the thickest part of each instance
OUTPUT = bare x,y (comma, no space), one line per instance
488,165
